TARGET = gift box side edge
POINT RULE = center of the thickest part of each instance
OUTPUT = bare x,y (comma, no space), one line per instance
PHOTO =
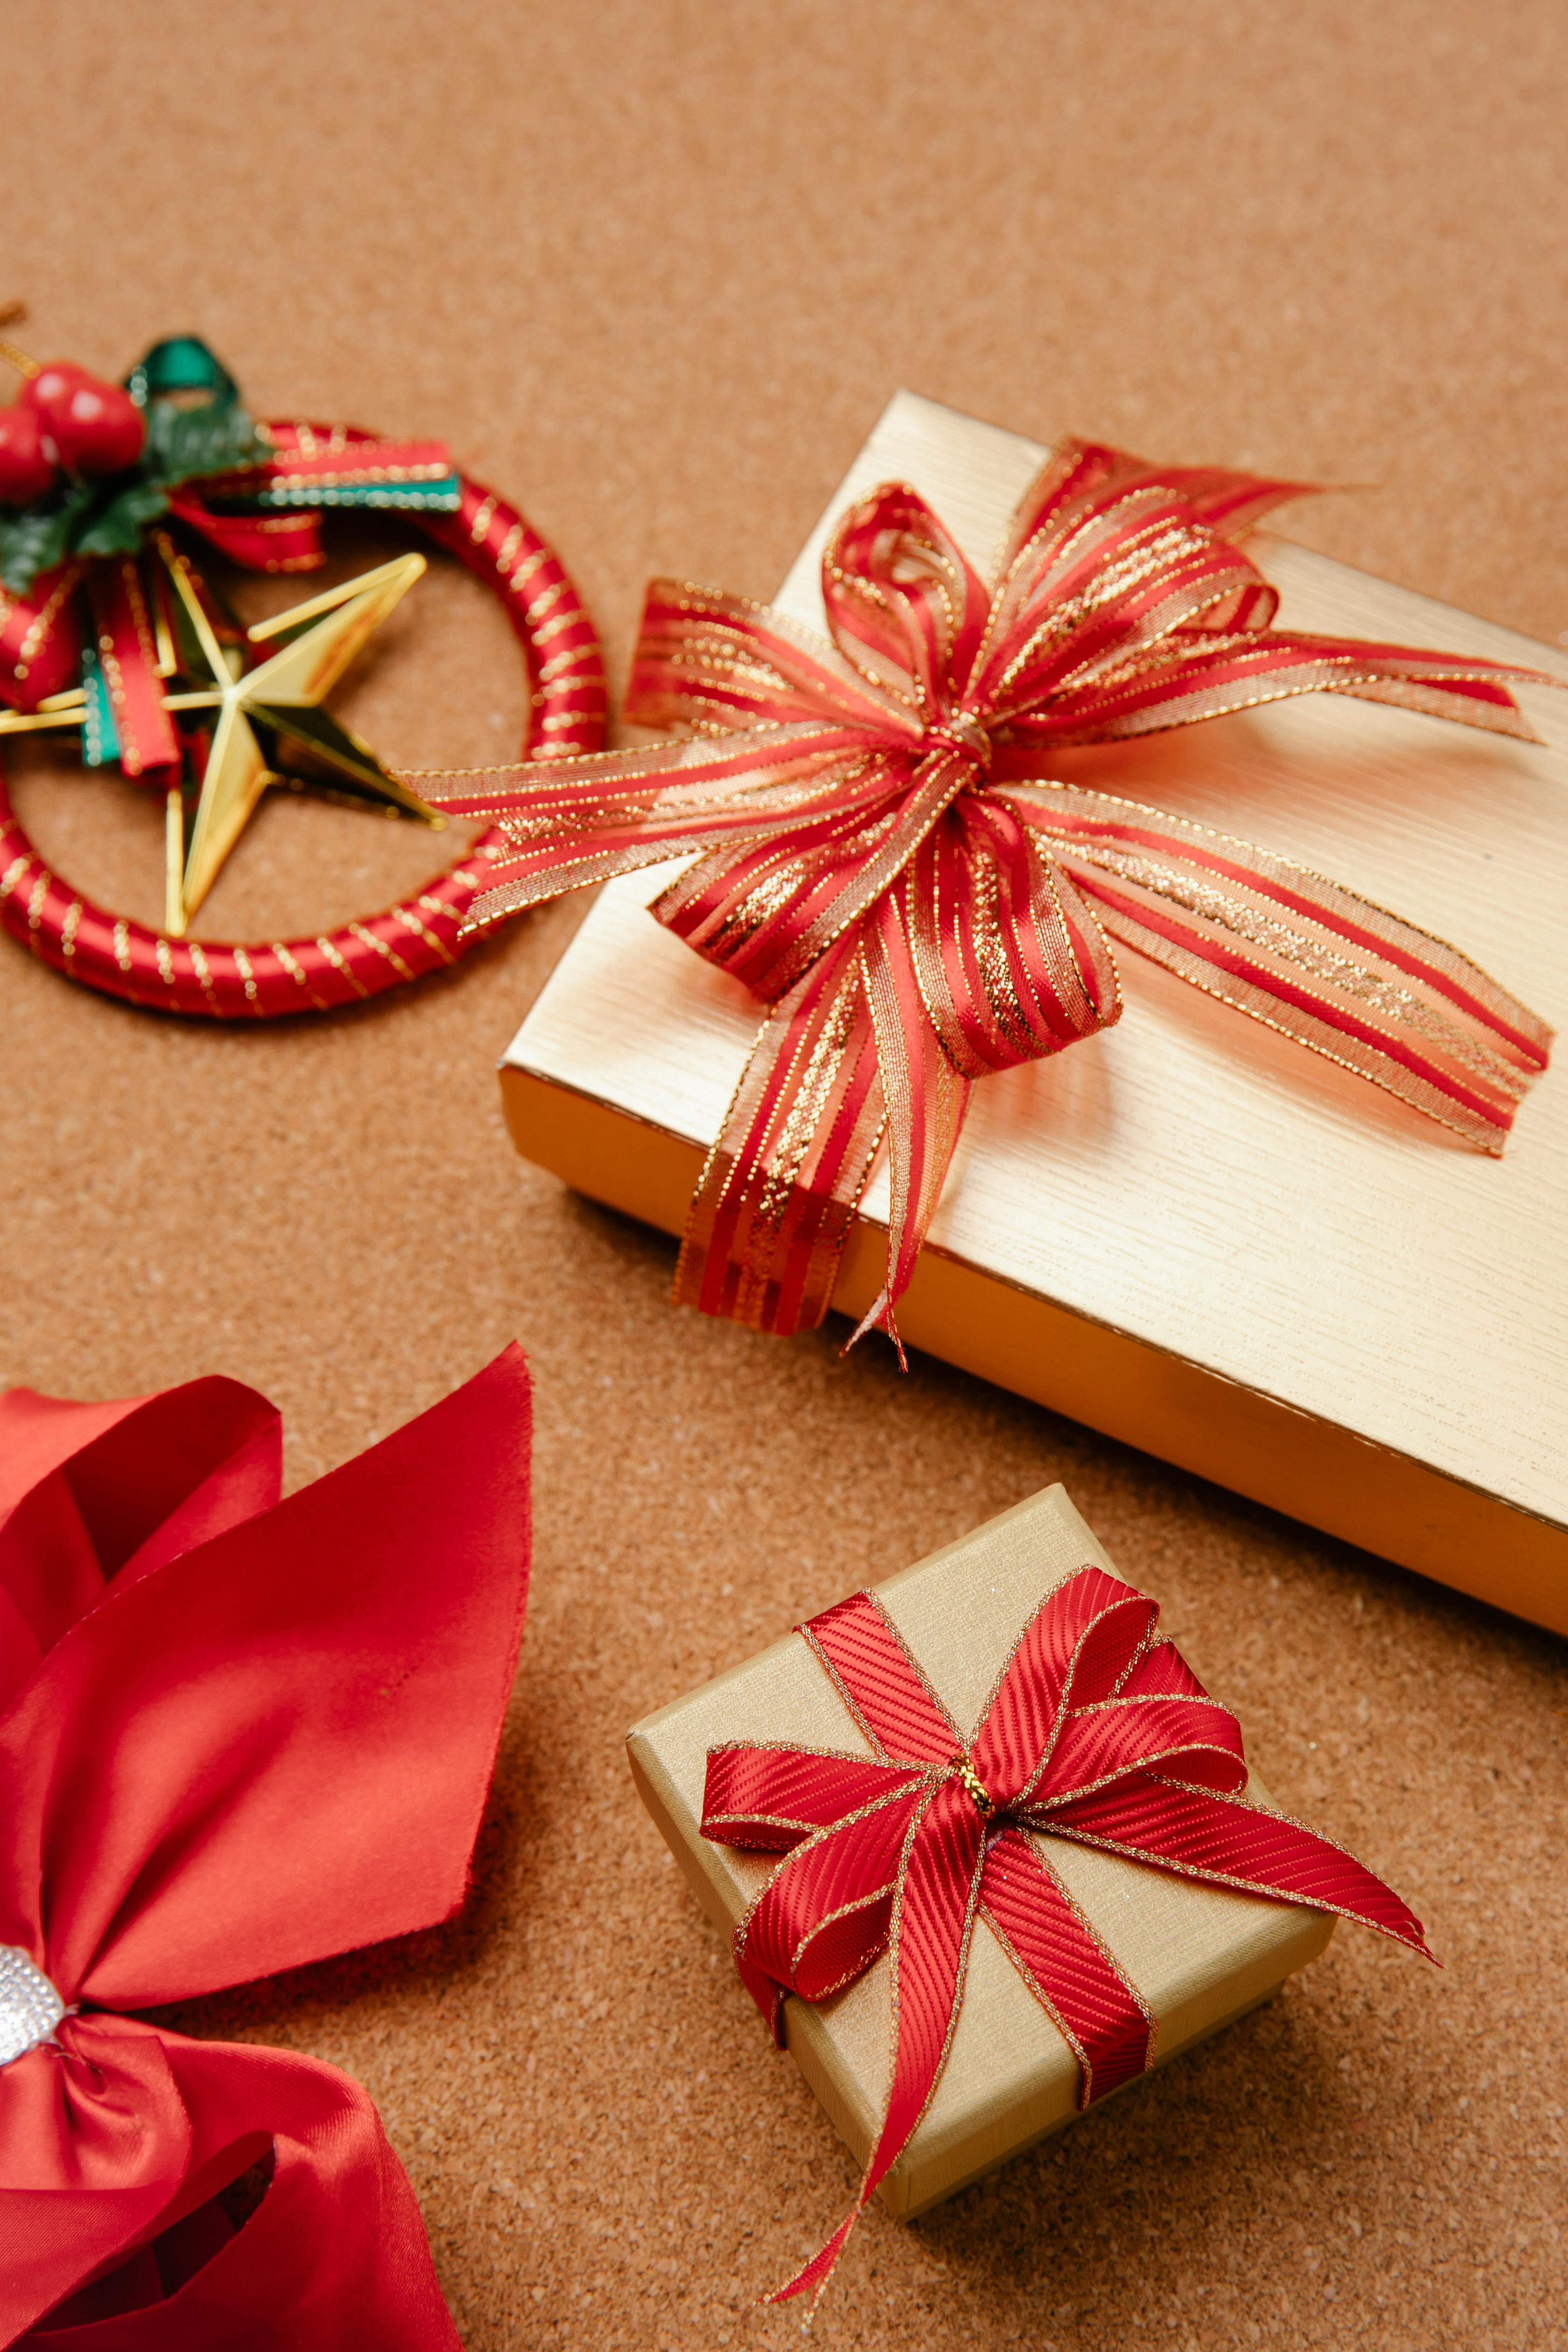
1258,1447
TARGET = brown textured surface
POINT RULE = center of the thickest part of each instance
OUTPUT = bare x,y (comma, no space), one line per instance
653,269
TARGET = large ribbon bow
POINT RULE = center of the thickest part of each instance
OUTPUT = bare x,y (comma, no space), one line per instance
1098,1732
237,1735
878,858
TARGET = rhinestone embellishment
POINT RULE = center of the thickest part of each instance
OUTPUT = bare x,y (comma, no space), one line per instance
30,2008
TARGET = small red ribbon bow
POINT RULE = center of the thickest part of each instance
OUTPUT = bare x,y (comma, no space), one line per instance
237,1735
879,858
1098,1732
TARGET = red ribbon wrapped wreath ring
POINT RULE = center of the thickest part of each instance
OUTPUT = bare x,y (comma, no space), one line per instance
106,624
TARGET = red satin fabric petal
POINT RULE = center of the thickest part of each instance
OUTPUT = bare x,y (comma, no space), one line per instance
95,2141
92,1495
137,1461
277,1746
334,2254
254,1733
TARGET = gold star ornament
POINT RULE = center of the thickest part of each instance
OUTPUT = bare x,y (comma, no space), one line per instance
265,689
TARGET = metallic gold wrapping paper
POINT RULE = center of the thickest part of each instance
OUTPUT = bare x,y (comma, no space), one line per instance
1188,1232
1200,1955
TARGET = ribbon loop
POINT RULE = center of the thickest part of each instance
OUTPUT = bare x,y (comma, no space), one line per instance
1075,1651
903,605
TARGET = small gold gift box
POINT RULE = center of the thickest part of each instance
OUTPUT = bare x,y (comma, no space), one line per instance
1200,1956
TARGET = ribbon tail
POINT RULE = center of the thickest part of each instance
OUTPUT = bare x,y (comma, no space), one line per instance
773,1206
40,639
1291,950
1228,1842
983,956
812,2278
125,712
926,1100
1196,670
935,1900
573,822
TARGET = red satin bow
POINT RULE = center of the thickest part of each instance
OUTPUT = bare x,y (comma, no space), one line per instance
879,858
1098,1732
237,1735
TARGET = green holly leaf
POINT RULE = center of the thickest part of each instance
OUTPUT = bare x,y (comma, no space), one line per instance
115,528
183,443
40,536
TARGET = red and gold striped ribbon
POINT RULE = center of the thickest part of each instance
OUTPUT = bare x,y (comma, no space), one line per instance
878,855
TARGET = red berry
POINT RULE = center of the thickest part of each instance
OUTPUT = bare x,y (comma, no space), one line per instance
24,472
91,426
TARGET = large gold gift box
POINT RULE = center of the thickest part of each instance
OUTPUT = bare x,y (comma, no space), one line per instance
1200,1956
1189,1233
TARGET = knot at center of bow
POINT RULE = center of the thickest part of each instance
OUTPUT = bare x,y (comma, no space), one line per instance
30,2008
963,1771
960,732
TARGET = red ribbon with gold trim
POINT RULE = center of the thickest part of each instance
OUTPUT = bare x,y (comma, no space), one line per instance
878,858
1098,1732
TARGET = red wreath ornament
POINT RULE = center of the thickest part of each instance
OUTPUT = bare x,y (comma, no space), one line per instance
75,621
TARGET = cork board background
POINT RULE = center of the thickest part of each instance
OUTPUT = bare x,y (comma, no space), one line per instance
653,269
